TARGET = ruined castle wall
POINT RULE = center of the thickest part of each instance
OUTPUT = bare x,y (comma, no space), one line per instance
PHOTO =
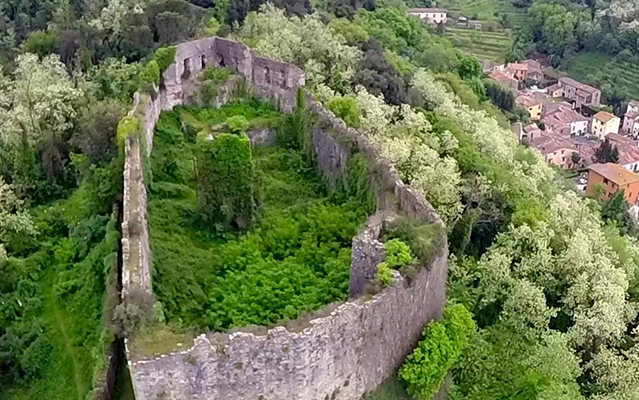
274,80
340,356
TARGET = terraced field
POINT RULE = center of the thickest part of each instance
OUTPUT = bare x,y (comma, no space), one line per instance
600,69
485,10
484,45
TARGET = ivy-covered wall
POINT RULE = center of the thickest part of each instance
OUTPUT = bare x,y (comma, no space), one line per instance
225,180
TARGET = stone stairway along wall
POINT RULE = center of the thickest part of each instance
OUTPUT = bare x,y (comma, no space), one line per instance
339,356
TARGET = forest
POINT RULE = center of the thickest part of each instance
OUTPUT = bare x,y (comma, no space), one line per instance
543,291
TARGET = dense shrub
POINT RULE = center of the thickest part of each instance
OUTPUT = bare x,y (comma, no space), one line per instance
54,309
345,108
425,370
96,133
424,240
164,57
237,124
398,253
225,180
211,79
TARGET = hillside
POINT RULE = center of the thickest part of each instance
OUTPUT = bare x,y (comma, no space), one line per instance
542,291
487,10
608,73
491,46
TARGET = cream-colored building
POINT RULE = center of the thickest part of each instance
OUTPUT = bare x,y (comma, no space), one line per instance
604,123
533,105
432,16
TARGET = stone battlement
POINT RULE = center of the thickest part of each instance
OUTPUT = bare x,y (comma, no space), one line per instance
340,356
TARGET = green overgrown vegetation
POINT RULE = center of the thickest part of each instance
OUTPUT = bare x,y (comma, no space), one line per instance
398,255
57,294
225,179
425,370
296,257
210,80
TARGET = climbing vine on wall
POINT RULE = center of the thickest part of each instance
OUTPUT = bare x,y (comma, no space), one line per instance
211,80
225,180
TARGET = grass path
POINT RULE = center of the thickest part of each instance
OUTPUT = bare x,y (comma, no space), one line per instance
53,309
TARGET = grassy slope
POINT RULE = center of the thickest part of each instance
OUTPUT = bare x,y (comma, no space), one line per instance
485,9
71,279
222,280
484,45
597,69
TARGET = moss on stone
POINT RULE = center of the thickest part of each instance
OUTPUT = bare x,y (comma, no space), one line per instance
158,340
128,126
164,56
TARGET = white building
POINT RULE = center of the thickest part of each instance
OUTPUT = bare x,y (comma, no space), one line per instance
432,16
562,119
630,125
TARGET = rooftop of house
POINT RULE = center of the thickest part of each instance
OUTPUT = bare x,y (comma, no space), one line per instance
501,77
615,173
632,115
563,116
549,143
533,65
628,148
531,128
604,116
578,85
553,88
527,100
427,10
517,66
633,104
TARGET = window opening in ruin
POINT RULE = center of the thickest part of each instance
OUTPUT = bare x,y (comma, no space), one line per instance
187,68
203,62
267,75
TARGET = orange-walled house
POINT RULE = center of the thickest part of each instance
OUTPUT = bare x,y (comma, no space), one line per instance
613,178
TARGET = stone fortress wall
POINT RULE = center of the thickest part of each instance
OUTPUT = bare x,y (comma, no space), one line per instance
338,357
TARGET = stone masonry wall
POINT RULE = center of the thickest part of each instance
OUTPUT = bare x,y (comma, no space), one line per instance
338,357
267,78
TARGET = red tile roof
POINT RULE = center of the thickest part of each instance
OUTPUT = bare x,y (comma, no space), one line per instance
578,85
604,116
615,173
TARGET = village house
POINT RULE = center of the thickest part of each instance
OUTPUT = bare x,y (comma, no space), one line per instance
555,91
580,93
526,69
555,149
532,104
628,151
504,79
562,119
432,16
604,123
630,124
612,178
627,148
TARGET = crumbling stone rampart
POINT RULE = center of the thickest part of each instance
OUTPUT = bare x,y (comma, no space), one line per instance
340,356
